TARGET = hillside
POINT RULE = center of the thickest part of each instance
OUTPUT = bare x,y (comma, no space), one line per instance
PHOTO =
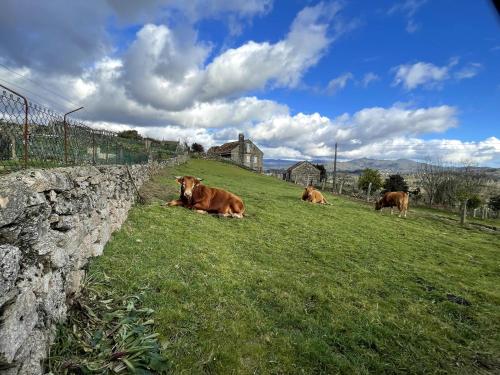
299,288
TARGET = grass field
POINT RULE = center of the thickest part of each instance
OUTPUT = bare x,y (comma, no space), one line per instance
299,288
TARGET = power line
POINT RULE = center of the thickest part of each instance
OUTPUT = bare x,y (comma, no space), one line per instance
31,92
39,85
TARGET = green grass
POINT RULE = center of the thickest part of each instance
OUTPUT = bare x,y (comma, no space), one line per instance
301,288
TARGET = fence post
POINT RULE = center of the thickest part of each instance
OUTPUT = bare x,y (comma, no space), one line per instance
334,177
463,215
26,130
66,134
368,192
323,186
474,212
341,186
93,148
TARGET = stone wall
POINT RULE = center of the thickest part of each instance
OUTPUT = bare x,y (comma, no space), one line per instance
51,223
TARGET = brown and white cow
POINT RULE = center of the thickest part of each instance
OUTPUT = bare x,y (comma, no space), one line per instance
203,199
394,198
314,196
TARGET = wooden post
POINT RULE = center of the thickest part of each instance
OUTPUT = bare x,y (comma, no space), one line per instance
334,182
341,186
474,212
463,216
323,186
94,151
368,192
483,212
13,145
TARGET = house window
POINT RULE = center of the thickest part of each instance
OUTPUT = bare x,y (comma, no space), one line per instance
247,158
248,147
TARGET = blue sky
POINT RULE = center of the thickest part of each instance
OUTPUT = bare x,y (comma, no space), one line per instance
409,78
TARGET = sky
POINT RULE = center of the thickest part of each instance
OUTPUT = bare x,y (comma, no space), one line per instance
387,79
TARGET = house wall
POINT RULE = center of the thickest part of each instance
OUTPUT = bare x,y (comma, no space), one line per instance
252,156
305,173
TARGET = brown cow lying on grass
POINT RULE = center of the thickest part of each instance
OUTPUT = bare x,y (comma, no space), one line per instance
203,199
314,196
394,198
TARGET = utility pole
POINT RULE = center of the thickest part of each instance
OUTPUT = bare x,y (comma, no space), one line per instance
334,184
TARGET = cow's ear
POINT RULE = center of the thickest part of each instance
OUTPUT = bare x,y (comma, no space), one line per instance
178,179
199,179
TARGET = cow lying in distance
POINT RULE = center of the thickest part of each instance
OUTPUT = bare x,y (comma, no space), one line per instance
203,199
394,198
314,196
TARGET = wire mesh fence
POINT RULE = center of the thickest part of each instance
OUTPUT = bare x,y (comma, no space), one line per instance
34,136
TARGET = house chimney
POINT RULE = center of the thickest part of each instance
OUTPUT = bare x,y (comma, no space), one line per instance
241,144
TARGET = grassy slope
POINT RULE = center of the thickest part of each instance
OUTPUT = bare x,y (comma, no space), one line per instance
298,288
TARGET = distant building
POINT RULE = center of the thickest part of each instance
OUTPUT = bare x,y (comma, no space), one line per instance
303,173
243,151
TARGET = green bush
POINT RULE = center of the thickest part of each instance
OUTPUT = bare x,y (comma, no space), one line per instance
370,175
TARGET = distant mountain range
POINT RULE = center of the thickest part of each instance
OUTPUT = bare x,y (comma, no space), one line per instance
396,166
357,165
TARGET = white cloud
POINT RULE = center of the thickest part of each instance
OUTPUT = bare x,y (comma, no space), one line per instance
315,135
469,71
449,150
166,68
431,76
369,78
254,65
419,74
47,28
339,83
408,8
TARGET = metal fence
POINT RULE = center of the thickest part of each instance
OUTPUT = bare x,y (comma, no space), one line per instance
35,136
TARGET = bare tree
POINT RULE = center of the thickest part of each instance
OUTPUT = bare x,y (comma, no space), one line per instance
431,174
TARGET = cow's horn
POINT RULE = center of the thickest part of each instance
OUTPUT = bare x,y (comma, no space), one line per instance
178,177
199,179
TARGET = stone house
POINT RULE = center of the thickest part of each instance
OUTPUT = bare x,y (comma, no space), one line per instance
303,173
243,151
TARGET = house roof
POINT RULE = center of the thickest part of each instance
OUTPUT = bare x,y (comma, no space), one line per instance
299,163
225,148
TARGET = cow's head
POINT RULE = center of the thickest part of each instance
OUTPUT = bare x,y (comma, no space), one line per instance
378,204
187,183
307,192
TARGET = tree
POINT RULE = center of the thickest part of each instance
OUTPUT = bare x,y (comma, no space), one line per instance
470,182
474,202
196,147
130,134
494,203
395,182
370,175
322,170
431,175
